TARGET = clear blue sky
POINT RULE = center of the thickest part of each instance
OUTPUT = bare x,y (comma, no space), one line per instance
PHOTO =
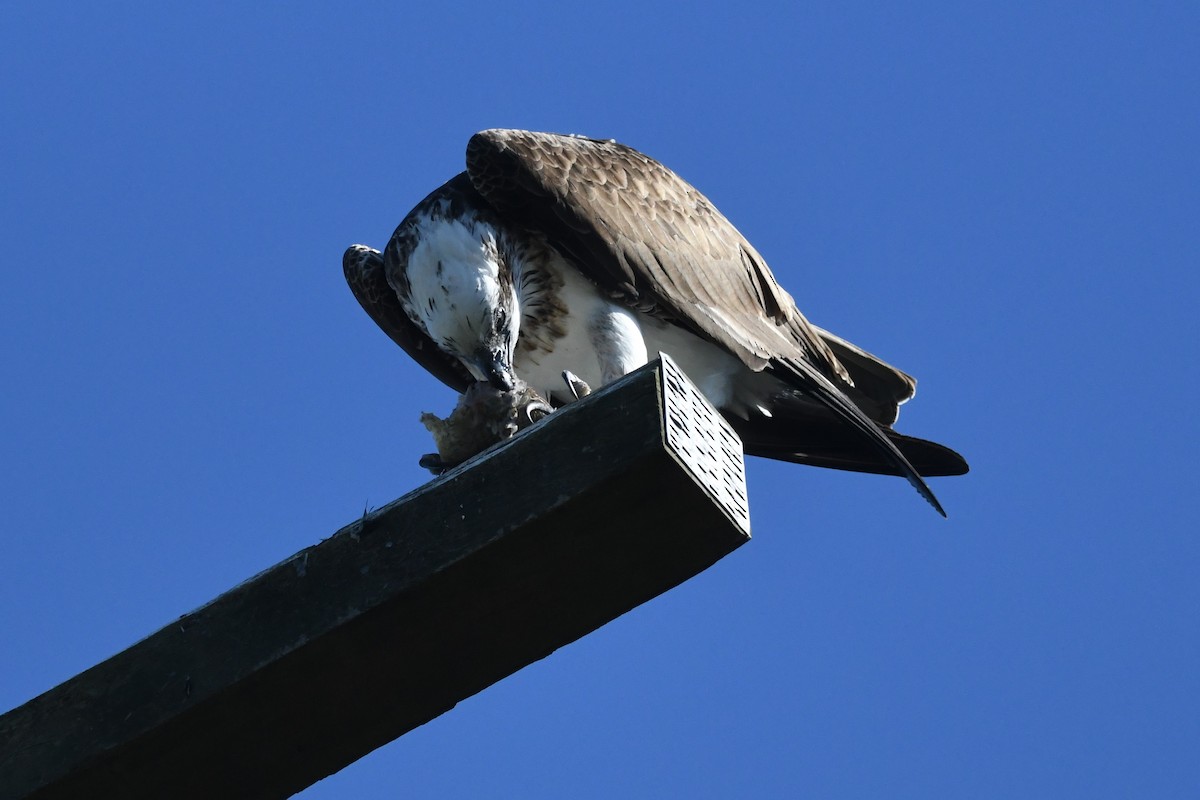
1003,199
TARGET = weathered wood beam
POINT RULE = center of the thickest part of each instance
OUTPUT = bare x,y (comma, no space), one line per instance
350,643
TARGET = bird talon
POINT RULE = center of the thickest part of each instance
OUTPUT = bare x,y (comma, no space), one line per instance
576,385
537,410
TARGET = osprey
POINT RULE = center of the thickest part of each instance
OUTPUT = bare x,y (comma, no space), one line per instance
557,257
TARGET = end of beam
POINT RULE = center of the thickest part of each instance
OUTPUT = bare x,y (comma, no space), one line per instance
389,623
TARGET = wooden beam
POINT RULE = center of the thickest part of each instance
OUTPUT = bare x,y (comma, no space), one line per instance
350,643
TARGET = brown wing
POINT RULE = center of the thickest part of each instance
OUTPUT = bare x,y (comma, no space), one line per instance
648,238
365,273
652,241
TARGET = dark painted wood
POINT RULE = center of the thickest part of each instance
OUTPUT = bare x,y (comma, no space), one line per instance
350,643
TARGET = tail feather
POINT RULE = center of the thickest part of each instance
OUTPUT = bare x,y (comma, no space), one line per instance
817,444
879,388
869,435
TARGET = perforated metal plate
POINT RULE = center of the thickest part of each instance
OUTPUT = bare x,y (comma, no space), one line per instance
704,442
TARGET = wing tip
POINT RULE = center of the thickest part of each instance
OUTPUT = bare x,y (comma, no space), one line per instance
930,497
824,390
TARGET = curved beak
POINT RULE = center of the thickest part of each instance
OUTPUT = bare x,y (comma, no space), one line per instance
496,370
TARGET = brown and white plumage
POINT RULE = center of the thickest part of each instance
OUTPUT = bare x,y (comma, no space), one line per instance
555,253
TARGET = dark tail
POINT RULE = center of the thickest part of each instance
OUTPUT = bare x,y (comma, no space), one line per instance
800,431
